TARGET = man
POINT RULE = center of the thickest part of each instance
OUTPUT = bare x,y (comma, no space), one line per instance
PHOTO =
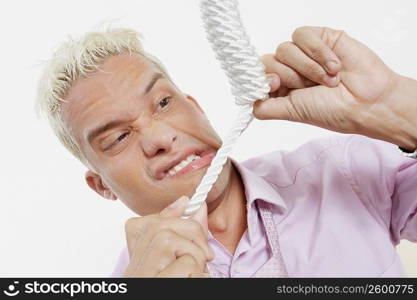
333,207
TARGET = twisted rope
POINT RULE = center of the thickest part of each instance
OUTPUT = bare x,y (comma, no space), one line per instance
247,78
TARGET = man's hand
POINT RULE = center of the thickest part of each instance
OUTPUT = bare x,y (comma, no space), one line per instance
327,79
164,245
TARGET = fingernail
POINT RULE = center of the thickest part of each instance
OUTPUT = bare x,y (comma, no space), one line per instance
177,202
332,66
331,80
272,79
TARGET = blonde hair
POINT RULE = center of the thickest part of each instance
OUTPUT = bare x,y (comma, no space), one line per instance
75,59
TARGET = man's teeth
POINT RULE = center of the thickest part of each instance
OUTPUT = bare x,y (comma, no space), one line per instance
182,164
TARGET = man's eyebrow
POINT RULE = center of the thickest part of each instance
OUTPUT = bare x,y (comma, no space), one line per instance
152,82
99,130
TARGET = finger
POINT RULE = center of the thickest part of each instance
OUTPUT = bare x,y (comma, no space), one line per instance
288,77
182,267
292,56
166,248
175,209
134,229
310,40
309,105
201,217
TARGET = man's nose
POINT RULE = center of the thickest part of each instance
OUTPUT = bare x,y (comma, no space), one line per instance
158,138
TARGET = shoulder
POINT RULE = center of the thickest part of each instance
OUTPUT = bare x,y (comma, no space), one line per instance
340,147
281,166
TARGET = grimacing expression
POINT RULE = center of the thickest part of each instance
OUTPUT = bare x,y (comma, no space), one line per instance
147,142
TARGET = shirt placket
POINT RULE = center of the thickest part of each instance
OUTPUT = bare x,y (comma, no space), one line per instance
275,266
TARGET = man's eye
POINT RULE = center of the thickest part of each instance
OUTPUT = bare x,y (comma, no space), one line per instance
117,141
164,102
121,137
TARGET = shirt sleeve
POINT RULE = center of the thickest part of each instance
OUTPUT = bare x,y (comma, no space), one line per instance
121,265
386,182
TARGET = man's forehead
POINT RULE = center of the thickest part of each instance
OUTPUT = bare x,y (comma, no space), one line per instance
115,72
126,63
119,70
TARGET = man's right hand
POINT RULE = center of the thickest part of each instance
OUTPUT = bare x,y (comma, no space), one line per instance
164,245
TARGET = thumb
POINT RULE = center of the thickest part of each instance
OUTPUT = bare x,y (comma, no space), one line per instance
176,208
201,216
317,105
279,108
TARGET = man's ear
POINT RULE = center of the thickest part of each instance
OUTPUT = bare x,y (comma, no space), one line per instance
189,97
97,184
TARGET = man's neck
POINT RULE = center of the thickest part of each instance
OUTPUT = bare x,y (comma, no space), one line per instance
228,221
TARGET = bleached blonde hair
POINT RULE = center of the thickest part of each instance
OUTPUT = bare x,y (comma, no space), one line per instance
75,59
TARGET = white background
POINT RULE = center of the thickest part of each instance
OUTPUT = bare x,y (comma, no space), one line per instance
51,224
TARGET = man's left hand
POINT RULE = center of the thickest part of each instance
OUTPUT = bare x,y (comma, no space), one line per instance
325,78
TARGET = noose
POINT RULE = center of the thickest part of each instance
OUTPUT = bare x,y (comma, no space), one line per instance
247,78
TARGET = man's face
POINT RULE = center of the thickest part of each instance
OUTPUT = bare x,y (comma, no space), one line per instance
148,142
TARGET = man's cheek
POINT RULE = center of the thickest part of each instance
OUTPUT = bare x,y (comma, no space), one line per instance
126,177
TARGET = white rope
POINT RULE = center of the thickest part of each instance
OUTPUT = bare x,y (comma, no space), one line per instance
246,75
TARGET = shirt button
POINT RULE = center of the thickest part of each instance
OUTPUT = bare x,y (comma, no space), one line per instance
237,269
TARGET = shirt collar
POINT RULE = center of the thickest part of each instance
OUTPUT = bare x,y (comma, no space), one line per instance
258,189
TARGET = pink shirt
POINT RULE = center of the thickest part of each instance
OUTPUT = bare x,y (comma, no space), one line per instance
340,205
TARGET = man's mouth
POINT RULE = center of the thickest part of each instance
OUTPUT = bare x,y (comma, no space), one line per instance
192,162
190,158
